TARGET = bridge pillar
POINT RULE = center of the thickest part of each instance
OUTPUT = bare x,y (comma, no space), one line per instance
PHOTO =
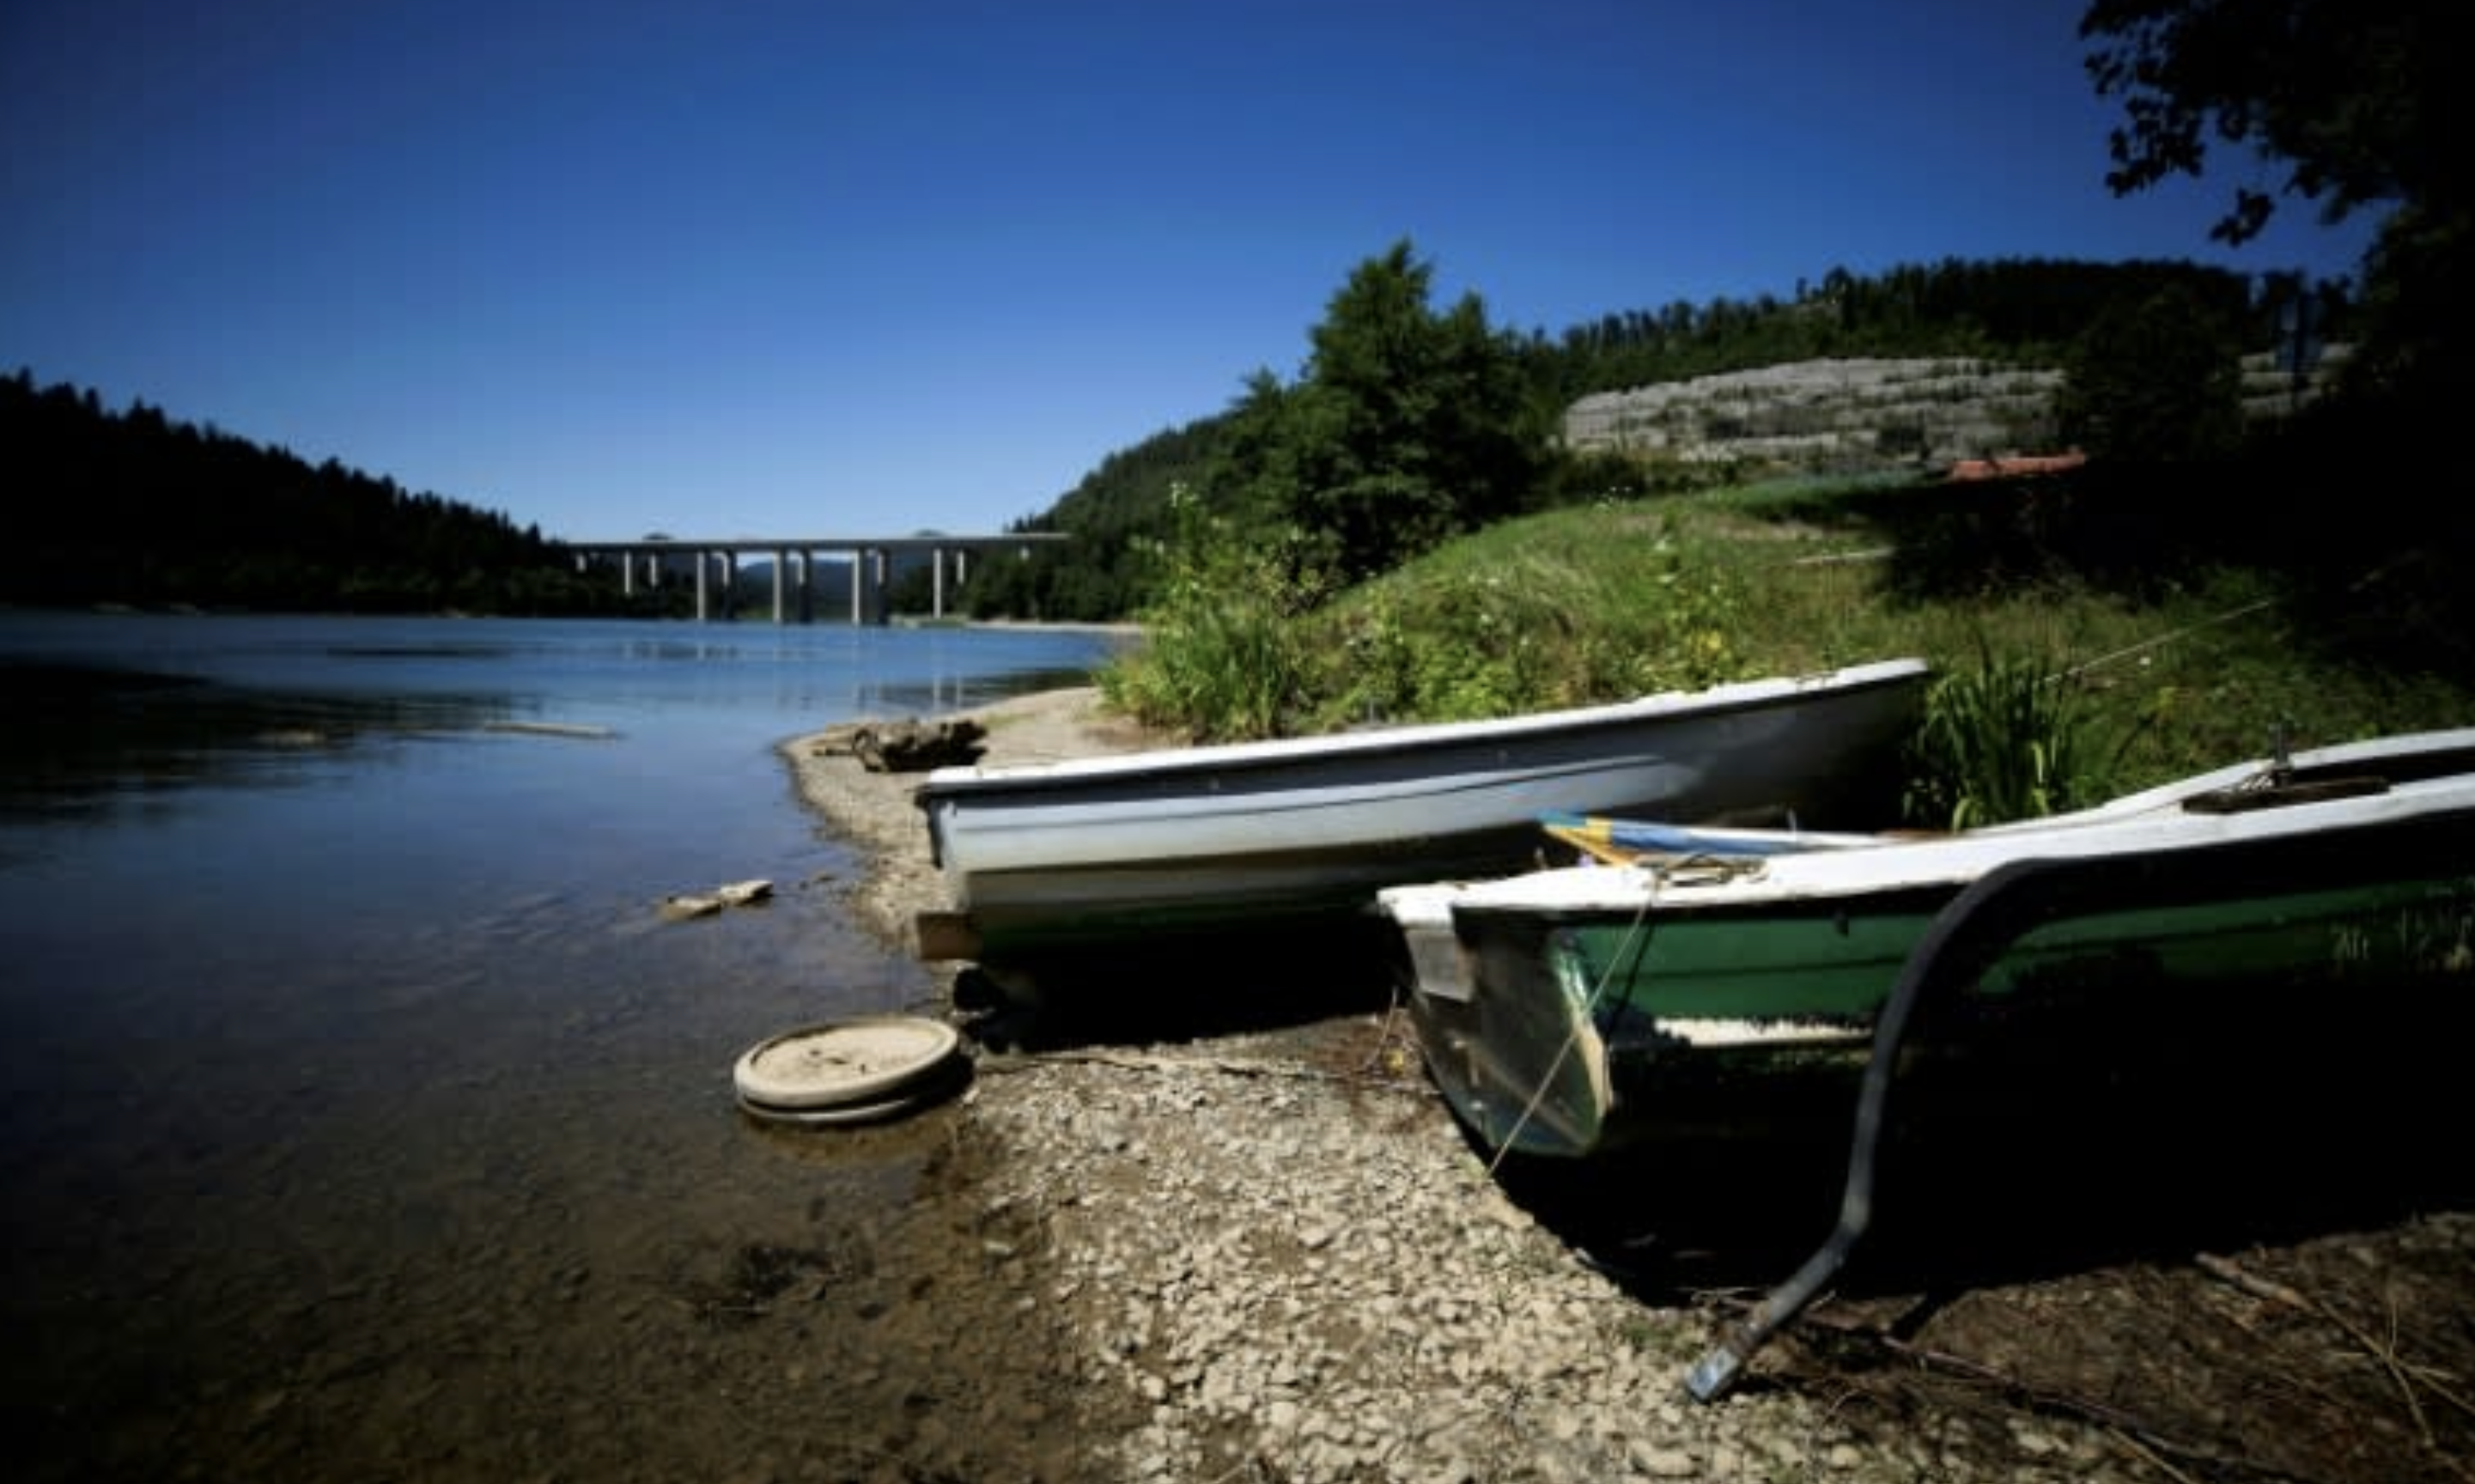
794,594
868,585
710,562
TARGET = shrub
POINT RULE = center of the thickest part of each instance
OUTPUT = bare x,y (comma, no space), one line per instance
1222,659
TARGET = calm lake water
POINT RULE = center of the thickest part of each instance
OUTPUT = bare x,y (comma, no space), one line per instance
364,1117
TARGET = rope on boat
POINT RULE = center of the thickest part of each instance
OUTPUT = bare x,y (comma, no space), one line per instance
2212,621
2165,639
1633,931
1703,869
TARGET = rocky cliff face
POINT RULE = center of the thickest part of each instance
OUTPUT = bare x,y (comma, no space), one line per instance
1855,415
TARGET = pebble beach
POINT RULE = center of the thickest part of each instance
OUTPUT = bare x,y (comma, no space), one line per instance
1272,1255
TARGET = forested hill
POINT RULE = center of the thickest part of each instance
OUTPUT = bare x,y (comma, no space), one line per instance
133,507
2028,315
2027,311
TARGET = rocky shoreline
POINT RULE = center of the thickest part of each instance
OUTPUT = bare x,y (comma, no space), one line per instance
1270,1254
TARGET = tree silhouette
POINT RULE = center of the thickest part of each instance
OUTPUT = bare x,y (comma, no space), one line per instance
2362,102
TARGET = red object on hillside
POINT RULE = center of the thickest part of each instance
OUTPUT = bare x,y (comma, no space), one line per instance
2014,467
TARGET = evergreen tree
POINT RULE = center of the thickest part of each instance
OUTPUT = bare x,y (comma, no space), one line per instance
1407,427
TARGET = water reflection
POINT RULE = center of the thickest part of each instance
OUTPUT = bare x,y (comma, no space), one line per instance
963,692
82,735
360,1117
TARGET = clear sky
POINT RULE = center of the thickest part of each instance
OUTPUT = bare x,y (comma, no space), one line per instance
867,267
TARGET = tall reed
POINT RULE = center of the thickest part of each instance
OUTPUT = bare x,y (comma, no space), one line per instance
2005,741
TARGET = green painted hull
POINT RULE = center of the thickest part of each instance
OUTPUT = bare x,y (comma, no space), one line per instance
1840,963
1577,1022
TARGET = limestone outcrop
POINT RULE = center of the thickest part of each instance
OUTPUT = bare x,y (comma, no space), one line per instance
1861,414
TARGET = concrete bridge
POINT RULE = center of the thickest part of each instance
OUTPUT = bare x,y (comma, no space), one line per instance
870,558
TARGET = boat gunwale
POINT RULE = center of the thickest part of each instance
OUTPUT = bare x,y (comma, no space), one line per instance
1660,709
2408,841
2152,821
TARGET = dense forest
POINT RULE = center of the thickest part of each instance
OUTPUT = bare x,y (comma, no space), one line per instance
131,506
2027,311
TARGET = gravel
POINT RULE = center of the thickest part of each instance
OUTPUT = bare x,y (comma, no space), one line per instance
1273,1256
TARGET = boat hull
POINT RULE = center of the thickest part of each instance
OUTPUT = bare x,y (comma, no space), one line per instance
1556,1014
1245,845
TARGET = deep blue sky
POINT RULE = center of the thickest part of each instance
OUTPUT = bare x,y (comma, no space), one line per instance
870,267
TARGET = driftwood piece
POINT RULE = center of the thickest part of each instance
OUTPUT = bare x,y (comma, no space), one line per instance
704,904
910,746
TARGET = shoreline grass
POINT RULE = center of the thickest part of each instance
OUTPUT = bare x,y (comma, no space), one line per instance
2156,666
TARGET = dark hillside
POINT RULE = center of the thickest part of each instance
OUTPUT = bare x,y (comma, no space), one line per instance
1118,511
132,507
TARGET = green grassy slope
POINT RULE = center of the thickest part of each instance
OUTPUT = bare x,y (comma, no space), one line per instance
2167,656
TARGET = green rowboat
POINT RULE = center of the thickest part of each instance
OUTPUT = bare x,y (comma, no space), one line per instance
1554,1007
